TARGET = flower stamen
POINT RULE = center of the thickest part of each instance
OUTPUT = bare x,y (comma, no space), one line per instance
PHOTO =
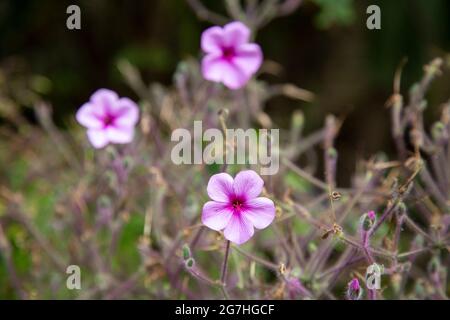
228,53
108,120
237,204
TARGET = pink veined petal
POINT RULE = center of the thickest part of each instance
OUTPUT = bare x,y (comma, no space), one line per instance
248,58
235,34
216,215
97,137
239,229
88,117
127,112
105,99
248,185
212,40
233,76
217,69
212,67
220,187
260,211
117,134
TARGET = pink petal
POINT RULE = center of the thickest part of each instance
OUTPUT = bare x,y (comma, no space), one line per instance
233,77
248,184
127,112
212,67
216,215
120,134
248,58
104,98
97,137
88,117
235,34
217,69
239,229
220,187
211,40
260,211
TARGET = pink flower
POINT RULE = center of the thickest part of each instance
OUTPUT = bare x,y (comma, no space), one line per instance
371,215
230,58
108,118
236,207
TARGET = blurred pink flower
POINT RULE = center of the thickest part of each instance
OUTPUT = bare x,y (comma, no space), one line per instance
108,118
230,58
371,214
236,207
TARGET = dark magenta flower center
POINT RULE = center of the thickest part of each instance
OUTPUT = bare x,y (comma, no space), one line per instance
108,120
237,204
228,53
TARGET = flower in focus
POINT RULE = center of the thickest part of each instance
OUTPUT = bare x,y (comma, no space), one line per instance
354,290
230,58
236,207
108,118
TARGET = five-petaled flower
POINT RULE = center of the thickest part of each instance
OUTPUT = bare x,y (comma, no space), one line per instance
230,58
236,207
108,118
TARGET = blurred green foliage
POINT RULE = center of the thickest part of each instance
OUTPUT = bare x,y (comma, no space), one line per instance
340,12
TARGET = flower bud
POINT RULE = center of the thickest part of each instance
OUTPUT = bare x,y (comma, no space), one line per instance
416,137
401,208
111,152
128,162
181,71
414,89
354,290
332,153
422,105
298,120
438,132
186,252
104,209
420,289
104,201
418,242
368,220
434,266
312,247
189,263
111,177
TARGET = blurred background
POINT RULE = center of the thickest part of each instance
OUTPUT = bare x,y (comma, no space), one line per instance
324,47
